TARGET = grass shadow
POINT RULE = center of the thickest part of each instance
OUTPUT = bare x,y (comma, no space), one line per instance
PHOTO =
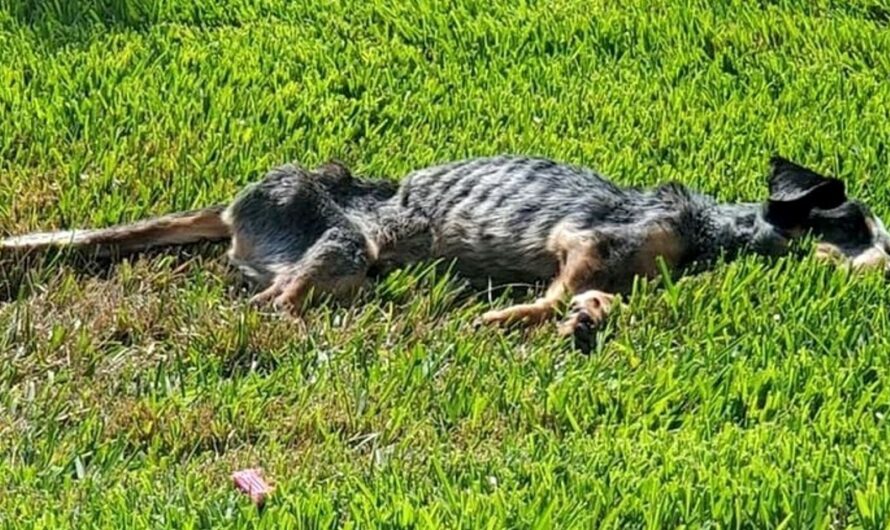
21,272
57,24
71,14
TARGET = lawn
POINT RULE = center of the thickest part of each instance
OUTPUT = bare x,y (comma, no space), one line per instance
752,396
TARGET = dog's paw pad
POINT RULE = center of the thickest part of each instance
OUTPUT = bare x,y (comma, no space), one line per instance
583,328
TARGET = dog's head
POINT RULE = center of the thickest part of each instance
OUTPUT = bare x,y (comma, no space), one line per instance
804,202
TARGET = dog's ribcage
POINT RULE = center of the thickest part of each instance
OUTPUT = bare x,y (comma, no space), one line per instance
494,216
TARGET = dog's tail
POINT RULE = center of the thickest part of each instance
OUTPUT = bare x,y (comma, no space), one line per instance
182,228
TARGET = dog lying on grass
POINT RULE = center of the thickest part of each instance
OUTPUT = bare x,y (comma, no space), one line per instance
501,220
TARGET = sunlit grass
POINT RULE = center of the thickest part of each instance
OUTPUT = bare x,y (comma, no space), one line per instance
751,396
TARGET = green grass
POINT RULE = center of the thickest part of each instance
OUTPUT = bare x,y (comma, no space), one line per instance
752,396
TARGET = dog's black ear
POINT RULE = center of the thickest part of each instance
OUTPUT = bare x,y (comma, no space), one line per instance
794,191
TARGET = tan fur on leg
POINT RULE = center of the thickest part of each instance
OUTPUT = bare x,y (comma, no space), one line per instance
268,294
293,297
580,264
530,314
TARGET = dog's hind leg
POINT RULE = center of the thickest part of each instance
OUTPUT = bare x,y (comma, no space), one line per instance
336,265
271,292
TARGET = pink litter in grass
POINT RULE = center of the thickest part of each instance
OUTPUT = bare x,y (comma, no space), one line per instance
251,482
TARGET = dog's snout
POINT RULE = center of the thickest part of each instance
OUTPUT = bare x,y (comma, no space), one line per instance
874,258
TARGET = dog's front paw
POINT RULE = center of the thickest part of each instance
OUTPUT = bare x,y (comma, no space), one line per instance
587,316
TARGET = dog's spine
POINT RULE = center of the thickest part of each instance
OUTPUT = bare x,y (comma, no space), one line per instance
206,224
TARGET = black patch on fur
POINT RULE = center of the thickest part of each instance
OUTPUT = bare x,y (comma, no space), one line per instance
845,226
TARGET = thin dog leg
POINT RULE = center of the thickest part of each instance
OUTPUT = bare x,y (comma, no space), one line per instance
336,265
297,294
268,294
534,313
578,271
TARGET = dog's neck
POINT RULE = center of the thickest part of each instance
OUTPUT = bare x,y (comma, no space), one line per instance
730,230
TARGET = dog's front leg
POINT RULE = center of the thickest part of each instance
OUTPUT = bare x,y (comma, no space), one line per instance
582,268
530,314
587,315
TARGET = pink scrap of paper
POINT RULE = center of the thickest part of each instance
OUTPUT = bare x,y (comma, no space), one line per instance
250,481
